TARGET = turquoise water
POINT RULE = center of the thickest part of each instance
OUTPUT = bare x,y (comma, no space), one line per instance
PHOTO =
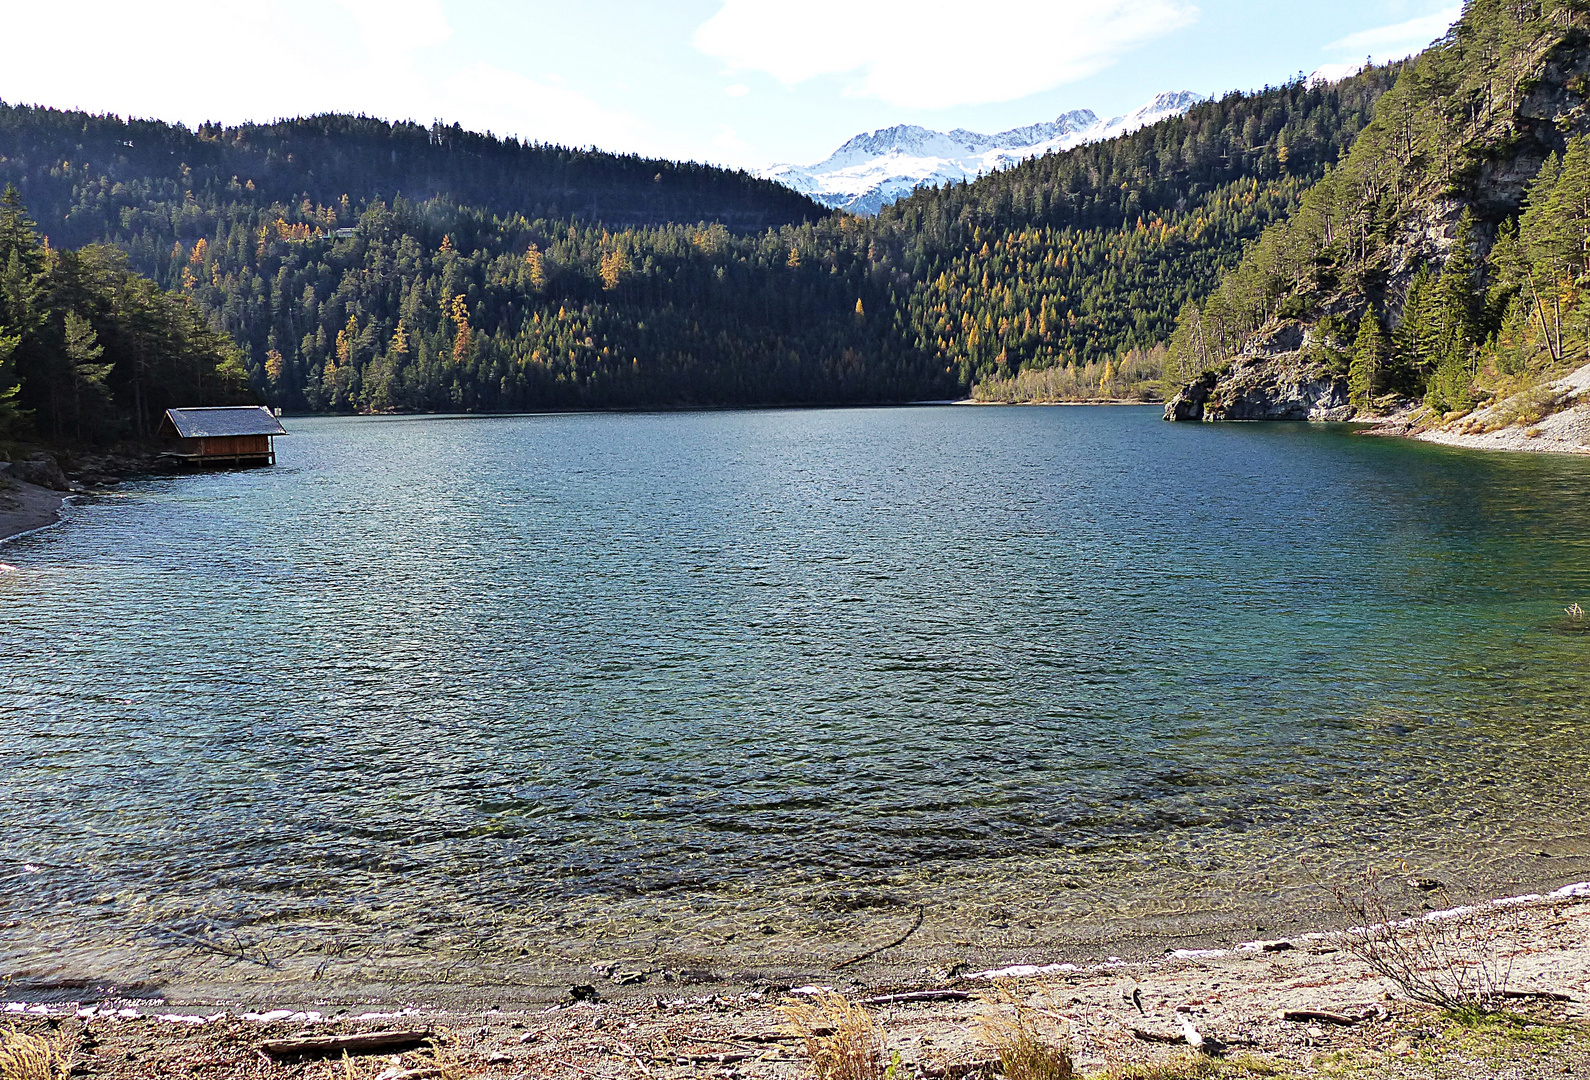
482,699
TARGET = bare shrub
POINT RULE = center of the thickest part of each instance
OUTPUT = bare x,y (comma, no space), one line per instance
1454,959
29,1057
1026,1045
842,1039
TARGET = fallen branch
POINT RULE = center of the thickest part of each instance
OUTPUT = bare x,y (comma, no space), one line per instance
961,1070
1305,1016
1157,1036
884,948
918,995
629,1052
364,1042
240,953
711,1059
1535,995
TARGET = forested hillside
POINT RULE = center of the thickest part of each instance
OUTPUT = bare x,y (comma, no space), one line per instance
89,350
1074,258
1443,261
93,178
369,267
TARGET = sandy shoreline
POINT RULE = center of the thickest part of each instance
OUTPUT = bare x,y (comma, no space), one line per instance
1343,1017
26,508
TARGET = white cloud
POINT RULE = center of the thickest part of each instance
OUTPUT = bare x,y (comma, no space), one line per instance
379,57
398,27
487,97
936,53
728,140
737,90
1399,39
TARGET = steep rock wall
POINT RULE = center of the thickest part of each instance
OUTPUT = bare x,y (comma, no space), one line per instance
1283,387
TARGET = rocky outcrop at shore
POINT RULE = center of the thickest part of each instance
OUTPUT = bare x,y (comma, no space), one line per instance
1285,387
77,471
33,488
40,470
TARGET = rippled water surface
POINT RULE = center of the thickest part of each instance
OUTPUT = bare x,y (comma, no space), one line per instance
469,699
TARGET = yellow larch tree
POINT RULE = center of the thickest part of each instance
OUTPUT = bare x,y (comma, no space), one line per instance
460,316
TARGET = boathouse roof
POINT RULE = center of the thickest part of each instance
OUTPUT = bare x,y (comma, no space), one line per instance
228,420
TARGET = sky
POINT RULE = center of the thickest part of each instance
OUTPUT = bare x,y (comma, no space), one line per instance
744,83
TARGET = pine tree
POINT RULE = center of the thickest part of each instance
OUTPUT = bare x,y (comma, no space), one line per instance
88,377
1369,354
1542,263
1451,384
10,385
1417,335
1455,309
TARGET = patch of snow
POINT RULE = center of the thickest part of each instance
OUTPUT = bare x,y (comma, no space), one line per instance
282,1014
1022,971
185,1018
874,169
1332,73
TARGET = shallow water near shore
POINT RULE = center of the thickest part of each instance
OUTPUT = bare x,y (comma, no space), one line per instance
480,701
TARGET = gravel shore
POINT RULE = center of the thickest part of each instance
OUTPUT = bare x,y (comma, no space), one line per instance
1566,431
1304,1006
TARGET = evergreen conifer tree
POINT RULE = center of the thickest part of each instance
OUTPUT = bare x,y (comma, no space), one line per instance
1417,336
1369,354
1455,310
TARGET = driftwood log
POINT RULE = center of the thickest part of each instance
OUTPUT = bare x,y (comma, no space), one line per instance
918,995
1306,1016
1145,1035
363,1042
1535,995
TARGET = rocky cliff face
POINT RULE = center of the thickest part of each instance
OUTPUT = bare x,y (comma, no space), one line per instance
1507,89
1286,387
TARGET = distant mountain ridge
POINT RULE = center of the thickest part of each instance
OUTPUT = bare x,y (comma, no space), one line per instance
874,169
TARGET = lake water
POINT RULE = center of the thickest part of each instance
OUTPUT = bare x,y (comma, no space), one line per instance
479,701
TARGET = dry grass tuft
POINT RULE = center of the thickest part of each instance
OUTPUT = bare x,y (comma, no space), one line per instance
842,1039
1025,1056
1455,959
29,1057
1525,409
1028,1046
1192,1065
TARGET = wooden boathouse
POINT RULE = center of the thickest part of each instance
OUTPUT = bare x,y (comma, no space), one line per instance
230,435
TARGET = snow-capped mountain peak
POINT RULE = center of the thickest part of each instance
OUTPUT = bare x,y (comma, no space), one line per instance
873,169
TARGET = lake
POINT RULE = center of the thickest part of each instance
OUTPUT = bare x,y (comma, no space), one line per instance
446,701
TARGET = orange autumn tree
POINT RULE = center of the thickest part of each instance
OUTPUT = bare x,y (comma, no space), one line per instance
460,316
